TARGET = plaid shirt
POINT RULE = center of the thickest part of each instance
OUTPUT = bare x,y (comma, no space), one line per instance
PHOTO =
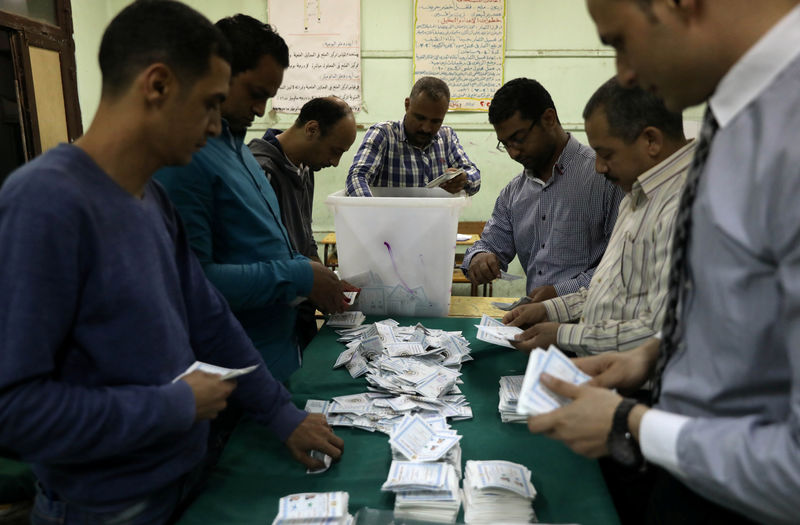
386,158
558,229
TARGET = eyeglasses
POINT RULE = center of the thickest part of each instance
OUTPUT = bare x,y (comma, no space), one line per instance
517,140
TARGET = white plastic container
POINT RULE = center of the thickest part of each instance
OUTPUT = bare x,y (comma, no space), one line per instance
398,247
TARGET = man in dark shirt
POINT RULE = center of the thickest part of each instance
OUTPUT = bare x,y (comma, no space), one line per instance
105,304
323,131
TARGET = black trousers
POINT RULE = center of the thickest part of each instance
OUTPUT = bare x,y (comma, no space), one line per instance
656,497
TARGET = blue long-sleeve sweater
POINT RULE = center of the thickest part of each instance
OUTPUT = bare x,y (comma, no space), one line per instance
234,224
103,305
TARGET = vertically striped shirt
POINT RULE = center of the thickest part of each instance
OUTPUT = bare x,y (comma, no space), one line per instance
558,229
386,158
625,303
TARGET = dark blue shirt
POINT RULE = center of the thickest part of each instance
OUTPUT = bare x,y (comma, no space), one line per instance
103,305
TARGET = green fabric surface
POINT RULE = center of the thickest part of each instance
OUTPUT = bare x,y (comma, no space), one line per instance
256,470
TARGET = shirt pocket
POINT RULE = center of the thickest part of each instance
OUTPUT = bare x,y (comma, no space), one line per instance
569,243
634,263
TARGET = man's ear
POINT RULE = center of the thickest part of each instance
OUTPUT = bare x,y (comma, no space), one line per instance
408,101
312,129
549,118
158,83
654,140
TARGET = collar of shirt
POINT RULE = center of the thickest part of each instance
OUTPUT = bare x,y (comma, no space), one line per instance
562,163
648,182
757,68
400,129
235,141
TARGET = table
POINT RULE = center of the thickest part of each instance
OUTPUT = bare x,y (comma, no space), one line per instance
465,306
256,470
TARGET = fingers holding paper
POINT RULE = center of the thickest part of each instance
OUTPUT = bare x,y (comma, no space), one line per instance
314,433
483,268
525,315
455,184
625,371
583,424
540,335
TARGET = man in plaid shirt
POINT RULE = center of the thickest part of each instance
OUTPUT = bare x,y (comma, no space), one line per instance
414,151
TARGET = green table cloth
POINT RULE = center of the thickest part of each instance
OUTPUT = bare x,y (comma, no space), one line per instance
256,470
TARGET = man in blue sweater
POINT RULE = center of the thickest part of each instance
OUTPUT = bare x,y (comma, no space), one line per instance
105,303
233,217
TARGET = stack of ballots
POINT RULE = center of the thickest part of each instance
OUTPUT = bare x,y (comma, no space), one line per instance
509,395
314,508
424,491
426,439
534,397
496,491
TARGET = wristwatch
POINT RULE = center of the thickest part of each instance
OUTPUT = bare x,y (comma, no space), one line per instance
621,445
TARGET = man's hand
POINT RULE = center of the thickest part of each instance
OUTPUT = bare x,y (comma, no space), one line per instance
625,371
347,287
210,393
314,433
483,268
526,315
540,335
326,292
582,425
455,184
543,293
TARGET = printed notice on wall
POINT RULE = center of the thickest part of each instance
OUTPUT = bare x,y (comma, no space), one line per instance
461,42
324,39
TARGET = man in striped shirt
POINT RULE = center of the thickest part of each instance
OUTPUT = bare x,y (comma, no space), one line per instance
640,146
414,151
557,215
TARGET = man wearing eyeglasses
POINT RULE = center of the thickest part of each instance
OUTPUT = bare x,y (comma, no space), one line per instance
558,214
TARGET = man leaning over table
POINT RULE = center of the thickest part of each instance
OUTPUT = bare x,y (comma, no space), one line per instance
723,433
558,214
105,304
414,151
640,146
233,217
322,132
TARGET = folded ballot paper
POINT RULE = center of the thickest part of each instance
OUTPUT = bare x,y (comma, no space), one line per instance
224,373
444,177
424,491
498,491
493,331
534,397
348,319
314,508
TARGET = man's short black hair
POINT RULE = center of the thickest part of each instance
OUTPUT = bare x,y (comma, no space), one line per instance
151,31
630,110
525,95
251,40
327,111
435,88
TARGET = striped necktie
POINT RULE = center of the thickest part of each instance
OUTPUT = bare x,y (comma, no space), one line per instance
672,331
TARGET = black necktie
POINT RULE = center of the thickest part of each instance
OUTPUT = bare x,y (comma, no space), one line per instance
672,331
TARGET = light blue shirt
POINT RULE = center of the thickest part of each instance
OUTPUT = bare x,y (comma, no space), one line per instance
558,229
233,221
736,375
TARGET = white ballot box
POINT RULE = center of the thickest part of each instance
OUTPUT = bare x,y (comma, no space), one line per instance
398,247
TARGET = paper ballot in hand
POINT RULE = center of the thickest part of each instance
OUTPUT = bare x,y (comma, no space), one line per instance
444,177
493,331
224,373
534,397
